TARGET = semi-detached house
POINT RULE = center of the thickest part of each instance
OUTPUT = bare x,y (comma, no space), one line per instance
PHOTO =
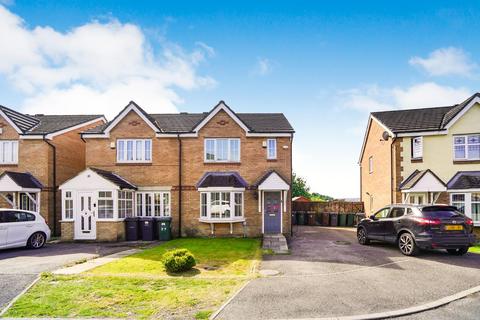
215,173
38,153
423,156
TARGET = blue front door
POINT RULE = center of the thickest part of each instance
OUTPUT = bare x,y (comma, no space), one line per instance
272,212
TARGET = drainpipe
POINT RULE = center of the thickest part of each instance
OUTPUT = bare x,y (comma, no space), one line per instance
291,184
54,177
392,165
179,186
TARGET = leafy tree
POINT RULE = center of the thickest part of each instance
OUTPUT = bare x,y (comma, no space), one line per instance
320,197
300,187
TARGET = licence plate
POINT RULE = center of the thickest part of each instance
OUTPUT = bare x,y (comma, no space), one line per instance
453,227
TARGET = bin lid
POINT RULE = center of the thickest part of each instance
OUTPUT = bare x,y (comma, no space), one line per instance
163,218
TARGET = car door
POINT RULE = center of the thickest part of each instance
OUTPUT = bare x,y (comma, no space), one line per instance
390,224
376,226
3,230
18,228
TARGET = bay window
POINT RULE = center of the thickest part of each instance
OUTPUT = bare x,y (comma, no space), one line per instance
476,206
134,150
125,204
222,150
458,200
105,205
151,204
8,152
466,147
221,205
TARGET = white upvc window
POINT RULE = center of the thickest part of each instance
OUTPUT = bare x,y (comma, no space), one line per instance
153,204
370,164
466,147
125,204
222,150
271,149
105,205
475,207
417,148
68,206
8,152
221,205
134,150
28,201
458,200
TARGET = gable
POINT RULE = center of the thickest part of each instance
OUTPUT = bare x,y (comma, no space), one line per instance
132,107
222,125
426,181
133,126
469,122
87,180
224,109
273,182
7,130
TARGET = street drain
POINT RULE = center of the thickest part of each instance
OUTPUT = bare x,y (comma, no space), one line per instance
342,243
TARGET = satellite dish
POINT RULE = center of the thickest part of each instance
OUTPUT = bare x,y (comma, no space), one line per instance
385,135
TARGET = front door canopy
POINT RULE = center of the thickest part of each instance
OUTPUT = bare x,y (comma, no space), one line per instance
19,182
97,179
272,181
423,181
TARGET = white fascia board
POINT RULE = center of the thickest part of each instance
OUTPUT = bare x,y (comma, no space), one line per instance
95,136
422,133
221,106
220,189
154,188
254,134
461,113
365,139
78,126
383,126
34,137
10,122
248,134
83,185
130,107
462,190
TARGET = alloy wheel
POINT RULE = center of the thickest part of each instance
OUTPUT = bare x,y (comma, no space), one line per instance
361,236
406,244
38,240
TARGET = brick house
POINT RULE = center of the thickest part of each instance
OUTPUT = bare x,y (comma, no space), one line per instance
38,153
423,156
215,173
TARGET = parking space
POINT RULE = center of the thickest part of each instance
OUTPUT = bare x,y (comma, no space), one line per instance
19,267
329,274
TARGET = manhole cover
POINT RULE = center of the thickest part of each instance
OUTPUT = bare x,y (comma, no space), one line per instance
342,243
269,273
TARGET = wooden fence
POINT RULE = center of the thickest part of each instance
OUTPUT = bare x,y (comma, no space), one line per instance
330,206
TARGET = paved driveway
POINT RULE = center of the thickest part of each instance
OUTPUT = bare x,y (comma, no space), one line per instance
329,274
19,267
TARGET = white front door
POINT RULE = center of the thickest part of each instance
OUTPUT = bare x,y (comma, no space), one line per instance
85,217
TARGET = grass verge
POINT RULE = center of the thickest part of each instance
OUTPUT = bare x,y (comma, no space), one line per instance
475,249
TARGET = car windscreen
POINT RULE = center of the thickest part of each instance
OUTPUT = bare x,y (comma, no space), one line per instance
441,212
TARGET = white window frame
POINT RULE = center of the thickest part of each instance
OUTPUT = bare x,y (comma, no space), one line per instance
111,198
270,155
232,217
465,145
417,153
68,197
475,216
229,155
12,147
165,211
370,164
144,151
122,201
464,202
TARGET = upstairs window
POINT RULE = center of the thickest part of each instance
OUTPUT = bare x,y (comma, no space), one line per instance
8,152
370,165
417,148
134,150
272,149
222,150
466,147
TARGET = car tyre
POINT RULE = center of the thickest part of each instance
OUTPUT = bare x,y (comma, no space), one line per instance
458,252
407,245
36,240
362,236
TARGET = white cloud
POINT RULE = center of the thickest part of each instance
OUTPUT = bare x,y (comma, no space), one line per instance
428,94
263,67
96,67
445,61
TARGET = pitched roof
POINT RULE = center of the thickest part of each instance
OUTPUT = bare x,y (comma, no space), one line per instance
186,122
465,180
416,176
40,124
115,178
424,119
23,179
267,174
222,179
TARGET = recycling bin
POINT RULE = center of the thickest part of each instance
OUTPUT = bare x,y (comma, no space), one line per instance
147,228
333,219
300,218
311,218
294,218
350,219
318,219
131,229
342,220
164,228
325,219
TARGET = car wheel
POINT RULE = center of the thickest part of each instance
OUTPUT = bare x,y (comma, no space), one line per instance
458,252
362,236
407,244
36,240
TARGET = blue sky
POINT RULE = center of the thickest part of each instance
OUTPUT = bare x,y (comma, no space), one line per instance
325,65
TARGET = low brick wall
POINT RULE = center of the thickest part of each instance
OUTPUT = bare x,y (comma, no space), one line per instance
110,230
67,229
476,230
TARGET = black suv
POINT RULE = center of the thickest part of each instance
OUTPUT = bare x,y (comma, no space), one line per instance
415,227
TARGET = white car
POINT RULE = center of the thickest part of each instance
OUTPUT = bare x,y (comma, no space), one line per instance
20,228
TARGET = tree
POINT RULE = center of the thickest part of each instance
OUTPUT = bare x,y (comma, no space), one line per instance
320,197
299,187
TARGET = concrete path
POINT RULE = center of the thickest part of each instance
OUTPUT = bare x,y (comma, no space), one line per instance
329,274
19,267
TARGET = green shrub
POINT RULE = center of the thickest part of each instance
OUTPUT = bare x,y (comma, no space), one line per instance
178,260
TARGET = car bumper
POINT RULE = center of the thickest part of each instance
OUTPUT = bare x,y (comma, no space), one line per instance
445,242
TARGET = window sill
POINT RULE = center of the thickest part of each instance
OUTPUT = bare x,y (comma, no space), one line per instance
220,162
234,220
417,160
466,161
133,163
8,164
272,160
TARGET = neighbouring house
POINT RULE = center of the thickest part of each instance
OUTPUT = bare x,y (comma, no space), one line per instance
423,156
215,173
37,154
300,199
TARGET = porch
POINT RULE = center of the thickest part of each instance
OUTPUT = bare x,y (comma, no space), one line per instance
20,190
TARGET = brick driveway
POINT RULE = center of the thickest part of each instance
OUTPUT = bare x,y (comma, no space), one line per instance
329,274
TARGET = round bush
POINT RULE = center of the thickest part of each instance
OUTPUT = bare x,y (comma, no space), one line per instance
178,260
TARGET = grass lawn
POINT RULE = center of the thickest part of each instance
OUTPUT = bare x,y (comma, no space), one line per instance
475,249
138,286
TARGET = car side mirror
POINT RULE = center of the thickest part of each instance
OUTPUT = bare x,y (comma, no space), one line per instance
372,217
